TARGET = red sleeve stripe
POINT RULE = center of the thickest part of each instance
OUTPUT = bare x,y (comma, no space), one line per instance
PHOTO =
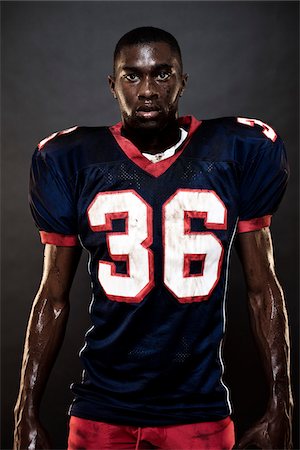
61,240
254,224
53,135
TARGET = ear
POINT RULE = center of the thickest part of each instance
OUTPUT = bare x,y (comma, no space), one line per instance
183,82
112,82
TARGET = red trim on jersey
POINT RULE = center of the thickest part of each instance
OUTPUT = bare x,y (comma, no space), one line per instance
109,217
158,168
254,224
61,240
188,215
201,298
44,141
187,259
53,135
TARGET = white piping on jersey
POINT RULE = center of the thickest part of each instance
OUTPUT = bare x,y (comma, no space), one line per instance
90,305
224,318
91,328
169,151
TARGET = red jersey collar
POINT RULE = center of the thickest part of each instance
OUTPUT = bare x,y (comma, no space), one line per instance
190,123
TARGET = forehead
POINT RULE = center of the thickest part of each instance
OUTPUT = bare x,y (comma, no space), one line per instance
147,55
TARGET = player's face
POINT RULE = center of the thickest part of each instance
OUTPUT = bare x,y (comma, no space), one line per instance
147,83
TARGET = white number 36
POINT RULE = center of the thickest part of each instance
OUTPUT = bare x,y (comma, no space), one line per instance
181,244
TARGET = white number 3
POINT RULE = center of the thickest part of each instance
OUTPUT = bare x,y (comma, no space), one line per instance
267,130
181,245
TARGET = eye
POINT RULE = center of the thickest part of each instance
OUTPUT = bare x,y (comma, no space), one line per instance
163,75
132,77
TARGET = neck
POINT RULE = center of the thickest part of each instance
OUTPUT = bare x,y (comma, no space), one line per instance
153,141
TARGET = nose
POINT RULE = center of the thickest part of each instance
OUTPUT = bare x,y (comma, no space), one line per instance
147,89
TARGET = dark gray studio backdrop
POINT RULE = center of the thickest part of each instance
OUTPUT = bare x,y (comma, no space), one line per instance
242,58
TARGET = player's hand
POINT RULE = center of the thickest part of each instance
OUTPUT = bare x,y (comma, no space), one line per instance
29,434
271,432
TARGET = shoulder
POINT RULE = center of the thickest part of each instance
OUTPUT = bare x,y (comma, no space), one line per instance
67,151
245,139
243,128
65,139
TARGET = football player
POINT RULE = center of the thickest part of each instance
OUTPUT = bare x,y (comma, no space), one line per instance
157,200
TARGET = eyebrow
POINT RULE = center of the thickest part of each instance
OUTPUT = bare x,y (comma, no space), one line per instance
154,68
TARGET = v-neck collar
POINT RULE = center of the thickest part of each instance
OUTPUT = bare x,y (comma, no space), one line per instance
158,168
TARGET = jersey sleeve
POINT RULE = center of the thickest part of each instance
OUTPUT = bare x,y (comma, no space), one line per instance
263,183
51,202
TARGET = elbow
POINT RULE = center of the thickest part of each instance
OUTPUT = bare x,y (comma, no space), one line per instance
262,279
54,301
265,292
59,305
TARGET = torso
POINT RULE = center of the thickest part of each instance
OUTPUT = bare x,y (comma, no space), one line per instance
159,238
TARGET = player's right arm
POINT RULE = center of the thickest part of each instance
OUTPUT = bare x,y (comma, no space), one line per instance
44,337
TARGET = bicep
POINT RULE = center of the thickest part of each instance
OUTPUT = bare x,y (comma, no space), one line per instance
60,264
265,295
255,251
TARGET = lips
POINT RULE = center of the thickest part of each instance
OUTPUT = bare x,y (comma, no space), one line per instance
147,111
148,107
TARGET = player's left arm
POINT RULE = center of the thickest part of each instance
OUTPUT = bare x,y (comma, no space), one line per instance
270,327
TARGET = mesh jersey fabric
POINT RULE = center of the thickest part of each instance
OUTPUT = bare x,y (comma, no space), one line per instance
159,238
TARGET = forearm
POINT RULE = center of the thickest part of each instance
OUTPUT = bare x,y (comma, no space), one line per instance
270,327
44,337
45,332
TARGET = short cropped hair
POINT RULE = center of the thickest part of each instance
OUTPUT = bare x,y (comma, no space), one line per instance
146,35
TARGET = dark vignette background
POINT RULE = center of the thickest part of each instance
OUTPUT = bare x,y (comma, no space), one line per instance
242,58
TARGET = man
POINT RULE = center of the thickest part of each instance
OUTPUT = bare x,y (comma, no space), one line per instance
157,201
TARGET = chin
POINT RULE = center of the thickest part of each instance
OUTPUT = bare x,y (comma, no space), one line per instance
148,124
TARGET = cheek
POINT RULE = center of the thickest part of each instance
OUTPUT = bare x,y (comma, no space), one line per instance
125,100
171,95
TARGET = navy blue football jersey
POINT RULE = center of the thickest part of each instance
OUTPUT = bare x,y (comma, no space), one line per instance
159,237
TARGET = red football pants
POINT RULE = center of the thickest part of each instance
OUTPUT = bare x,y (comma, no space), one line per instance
90,435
